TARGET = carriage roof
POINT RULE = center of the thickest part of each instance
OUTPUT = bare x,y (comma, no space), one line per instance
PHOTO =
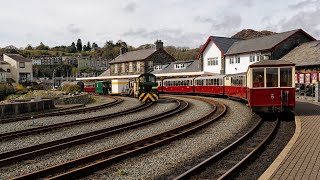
211,77
178,79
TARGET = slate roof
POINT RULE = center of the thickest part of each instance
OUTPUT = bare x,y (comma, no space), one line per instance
193,66
271,62
262,43
304,55
223,43
1,70
19,58
133,56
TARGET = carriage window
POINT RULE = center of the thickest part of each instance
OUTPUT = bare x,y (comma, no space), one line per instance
190,82
220,82
272,77
258,77
285,77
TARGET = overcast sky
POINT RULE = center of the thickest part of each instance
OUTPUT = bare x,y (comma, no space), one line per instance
175,22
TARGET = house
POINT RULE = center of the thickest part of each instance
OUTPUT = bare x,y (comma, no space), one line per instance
178,69
3,76
306,56
212,53
6,67
140,61
51,60
243,53
36,61
20,68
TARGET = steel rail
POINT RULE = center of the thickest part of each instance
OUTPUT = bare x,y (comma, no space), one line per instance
64,111
10,135
213,159
88,164
32,151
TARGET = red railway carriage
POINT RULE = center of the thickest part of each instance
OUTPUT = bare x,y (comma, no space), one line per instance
209,85
271,85
89,87
235,86
179,85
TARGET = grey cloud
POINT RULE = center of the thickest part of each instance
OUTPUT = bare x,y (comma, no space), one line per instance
169,36
72,28
306,20
305,3
225,23
130,7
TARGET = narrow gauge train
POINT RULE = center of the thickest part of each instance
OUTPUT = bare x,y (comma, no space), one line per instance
147,87
99,87
267,86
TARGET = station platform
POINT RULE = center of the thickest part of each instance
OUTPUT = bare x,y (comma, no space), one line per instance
300,159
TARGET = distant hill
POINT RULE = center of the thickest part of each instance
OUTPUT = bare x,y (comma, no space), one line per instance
250,33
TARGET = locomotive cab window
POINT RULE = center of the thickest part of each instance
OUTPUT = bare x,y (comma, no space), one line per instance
258,77
272,77
285,77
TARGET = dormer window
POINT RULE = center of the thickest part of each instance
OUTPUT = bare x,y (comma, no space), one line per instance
158,67
180,66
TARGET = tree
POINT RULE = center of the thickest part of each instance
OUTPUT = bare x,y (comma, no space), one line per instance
88,46
72,48
79,45
94,45
42,47
85,48
29,47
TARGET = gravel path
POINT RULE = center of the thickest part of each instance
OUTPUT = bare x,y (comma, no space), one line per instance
45,121
165,161
64,155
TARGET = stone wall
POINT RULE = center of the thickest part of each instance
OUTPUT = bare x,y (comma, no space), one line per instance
76,99
26,107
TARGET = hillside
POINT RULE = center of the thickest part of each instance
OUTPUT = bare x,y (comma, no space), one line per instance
250,33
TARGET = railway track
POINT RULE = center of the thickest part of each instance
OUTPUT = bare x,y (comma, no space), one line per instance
26,132
33,151
232,159
66,111
88,164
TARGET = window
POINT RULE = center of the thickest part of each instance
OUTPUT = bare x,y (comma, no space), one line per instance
285,77
252,58
123,67
231,60
21,65
115,68
258,58
179,66
272,77
213,61
238,59
158,67
258,77
138,66
8,70
130,66
150,64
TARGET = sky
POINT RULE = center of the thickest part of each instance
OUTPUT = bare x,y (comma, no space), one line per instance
183,23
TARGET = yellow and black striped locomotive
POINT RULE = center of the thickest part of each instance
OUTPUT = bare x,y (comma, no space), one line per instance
147,88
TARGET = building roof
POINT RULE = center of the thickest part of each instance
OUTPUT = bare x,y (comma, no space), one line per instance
105,73
1,70
18,58
223,43
305,54
191,66
265,63
133,56
262,43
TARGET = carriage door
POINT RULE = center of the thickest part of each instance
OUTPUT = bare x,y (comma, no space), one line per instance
284,98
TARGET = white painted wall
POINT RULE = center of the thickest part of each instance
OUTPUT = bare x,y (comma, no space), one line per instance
211,51
244,62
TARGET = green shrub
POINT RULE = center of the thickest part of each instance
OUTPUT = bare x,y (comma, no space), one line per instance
5,90
121,172
73,88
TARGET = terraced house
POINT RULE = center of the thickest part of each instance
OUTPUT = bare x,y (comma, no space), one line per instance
140,61
19,68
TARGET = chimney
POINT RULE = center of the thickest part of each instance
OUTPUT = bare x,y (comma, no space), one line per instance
123,50
159,44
